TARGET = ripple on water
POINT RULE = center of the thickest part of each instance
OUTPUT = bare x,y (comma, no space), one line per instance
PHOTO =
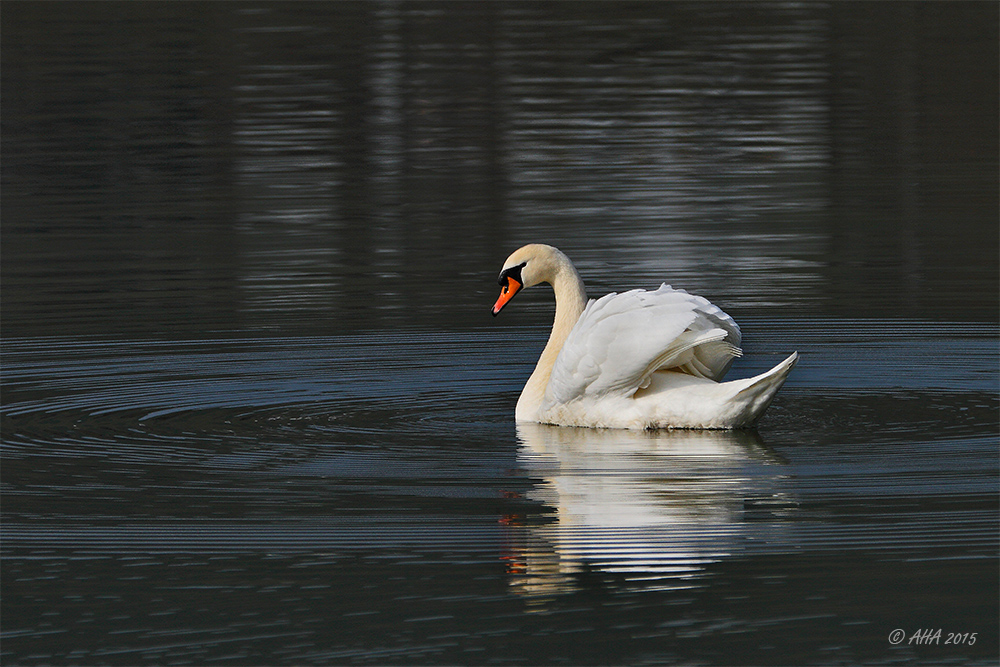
398,421
358,383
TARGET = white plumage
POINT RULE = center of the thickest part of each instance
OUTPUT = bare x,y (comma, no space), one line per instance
639,359
621,339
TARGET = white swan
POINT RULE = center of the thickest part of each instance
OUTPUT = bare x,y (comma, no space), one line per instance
633,360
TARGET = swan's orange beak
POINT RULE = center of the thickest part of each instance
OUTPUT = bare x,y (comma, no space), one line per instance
512,287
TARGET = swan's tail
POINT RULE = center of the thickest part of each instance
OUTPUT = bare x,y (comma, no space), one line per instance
760,390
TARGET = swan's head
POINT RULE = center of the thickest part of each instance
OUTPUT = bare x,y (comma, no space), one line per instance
527,266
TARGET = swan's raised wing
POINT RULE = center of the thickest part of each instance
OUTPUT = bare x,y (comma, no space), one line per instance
621,339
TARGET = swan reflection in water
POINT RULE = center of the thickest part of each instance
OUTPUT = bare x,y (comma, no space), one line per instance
649,508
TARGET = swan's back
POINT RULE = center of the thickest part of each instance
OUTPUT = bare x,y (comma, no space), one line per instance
620,340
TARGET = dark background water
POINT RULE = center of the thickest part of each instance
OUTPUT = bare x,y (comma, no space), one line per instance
254,409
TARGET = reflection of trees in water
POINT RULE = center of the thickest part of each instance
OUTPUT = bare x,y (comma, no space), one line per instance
647,508
321,164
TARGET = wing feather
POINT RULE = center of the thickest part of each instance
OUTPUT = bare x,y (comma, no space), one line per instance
621,339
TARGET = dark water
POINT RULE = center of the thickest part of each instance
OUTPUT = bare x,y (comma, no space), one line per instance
254,410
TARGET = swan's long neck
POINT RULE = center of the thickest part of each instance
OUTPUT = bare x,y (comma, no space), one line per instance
571,299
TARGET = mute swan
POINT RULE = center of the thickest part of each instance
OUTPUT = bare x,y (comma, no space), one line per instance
638,360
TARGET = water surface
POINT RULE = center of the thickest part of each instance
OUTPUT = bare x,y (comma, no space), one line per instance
254,410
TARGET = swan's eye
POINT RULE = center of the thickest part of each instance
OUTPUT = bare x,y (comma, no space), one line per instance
506,275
